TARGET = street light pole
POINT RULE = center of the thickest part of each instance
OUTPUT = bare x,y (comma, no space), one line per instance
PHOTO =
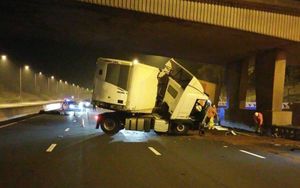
35,86
48,80
20,83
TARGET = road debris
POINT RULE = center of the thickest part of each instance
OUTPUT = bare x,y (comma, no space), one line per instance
220,128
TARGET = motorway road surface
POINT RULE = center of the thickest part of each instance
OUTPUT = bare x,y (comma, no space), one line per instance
66,151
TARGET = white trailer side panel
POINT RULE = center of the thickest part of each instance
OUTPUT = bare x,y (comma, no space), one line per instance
105,91
142,88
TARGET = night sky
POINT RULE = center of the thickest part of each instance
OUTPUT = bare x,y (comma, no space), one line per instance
52,38
69,61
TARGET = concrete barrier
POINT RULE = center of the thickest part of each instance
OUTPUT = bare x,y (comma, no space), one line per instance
13,111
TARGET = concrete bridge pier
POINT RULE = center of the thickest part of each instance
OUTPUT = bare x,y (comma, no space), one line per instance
269,84
236,85
270,69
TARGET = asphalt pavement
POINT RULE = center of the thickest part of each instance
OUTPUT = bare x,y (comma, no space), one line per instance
52,150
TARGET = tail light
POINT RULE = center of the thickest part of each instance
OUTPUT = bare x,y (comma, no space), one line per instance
99,118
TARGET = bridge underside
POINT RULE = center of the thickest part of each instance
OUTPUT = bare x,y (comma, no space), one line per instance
112,32
85,32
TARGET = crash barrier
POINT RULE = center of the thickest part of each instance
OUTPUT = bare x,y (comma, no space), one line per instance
9,112
251,105
286,132
295,108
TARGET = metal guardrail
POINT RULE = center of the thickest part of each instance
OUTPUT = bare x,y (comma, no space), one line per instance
264,22
9,112
25,104
289,132
250,105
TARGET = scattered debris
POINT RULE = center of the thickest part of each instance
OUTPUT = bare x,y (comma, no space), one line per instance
219,128
230,133
293,149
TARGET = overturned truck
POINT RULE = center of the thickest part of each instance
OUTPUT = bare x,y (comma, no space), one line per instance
142,97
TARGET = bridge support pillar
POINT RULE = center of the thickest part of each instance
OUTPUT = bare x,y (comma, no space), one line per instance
270,74
232,84
244,82
236,84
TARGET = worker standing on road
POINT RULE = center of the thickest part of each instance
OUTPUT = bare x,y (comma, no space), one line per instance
258,120
211,113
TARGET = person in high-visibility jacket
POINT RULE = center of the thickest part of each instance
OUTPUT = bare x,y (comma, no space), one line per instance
258,121
211,113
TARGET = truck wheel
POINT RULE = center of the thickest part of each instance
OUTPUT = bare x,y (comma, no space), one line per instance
110,125
180,129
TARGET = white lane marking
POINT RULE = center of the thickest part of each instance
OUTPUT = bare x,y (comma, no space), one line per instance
10,124
51,148
154,151
253,154
67,129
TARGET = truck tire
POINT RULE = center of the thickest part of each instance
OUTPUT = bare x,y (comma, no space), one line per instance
180,129
110,125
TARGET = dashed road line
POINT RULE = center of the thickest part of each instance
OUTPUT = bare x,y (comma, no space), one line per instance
10,124
154,151
253,154
67,129
51,148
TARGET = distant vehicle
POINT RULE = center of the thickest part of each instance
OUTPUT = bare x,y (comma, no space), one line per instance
69,105
143,97
85,104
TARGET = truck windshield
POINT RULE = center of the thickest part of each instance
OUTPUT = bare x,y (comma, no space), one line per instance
117,75
181,75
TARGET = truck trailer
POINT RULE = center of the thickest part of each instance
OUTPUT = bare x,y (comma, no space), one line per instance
143,97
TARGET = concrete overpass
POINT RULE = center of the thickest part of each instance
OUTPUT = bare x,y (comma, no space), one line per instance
241,15
222,32
269,64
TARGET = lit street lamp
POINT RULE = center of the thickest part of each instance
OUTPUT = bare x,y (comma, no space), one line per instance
3,57
135,61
